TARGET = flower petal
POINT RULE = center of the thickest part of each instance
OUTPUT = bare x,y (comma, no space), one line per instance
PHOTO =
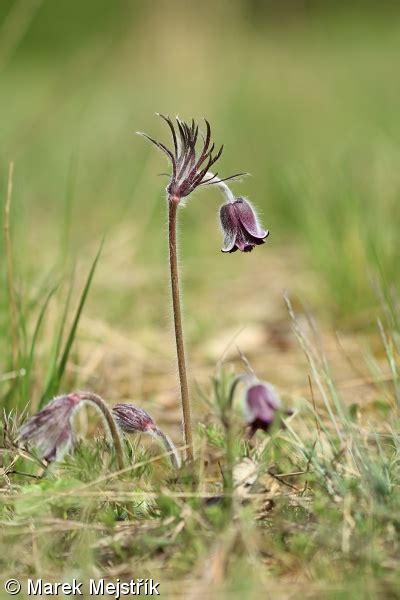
248,218
50,431
258,405
229,225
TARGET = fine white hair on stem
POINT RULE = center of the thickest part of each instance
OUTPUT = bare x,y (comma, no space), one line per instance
108,418
173,453
225,189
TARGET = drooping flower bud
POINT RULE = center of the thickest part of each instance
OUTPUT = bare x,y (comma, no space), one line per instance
132,419
262,404
136,420
240,226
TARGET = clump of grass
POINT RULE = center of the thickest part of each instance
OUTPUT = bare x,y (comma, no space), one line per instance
317,498
19,394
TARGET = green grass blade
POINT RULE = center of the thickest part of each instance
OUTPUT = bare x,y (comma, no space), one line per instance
29,363
55,351
75,323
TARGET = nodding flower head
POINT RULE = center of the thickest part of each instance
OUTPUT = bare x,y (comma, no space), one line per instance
240,226
190,165
262,404
131,419
50,430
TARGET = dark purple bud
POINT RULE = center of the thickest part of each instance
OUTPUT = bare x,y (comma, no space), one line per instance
133,420
136,420
240,226
50,430
261,405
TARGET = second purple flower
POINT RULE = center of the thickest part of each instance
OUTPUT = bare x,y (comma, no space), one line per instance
262,404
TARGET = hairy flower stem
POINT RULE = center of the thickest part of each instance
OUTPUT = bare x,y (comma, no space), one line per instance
173,203
169,446
102,406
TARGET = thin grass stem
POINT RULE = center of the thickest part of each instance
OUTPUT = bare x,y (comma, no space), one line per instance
10,268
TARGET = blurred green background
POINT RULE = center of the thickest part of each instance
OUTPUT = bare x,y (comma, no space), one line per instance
305,97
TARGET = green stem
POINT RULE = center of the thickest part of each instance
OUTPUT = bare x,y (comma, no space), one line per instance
173,202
